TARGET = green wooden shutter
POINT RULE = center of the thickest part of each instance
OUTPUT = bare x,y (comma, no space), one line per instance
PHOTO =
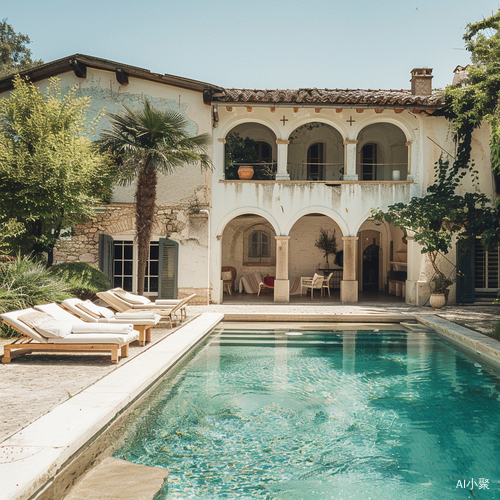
465,273
167,269
106,254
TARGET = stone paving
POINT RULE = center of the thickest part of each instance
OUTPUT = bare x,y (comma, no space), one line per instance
33,385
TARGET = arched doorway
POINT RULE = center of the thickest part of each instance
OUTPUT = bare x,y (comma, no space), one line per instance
248,248
307,255
382,260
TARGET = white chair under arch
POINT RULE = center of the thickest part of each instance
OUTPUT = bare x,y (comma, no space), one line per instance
312,283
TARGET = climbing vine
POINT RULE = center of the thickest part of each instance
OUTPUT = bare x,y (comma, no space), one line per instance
475,100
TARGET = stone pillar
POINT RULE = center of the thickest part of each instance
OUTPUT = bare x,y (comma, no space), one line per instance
350,161
417,289
282,172
219,150
349,283
409,175
281,283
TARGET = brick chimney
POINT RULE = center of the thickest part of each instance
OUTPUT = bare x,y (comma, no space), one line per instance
421,81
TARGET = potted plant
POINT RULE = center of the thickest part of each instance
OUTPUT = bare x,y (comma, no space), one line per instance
439,286
327,243
241,154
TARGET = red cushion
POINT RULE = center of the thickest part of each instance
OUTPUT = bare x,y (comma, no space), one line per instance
269,280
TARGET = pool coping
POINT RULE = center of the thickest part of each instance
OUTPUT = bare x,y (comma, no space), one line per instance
474,343
31,458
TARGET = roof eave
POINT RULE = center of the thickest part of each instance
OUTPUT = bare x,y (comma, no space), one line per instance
60,66
240,104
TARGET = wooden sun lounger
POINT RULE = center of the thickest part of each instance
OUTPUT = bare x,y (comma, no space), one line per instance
70,307
32,341
26,345
169,311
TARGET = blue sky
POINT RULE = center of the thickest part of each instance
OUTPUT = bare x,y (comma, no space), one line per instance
261,43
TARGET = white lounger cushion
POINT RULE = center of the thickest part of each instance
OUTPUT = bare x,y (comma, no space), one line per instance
139,318
101,328
12,319
83,327
96,338
94,310
60,314
131,298
87,311
136,315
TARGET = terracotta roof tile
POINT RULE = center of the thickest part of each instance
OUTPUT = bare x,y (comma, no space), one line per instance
330,96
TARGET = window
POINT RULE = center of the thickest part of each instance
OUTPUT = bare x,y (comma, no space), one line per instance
264,152
487,272
123,272
314,162
369,162
151,277
258,245
125,267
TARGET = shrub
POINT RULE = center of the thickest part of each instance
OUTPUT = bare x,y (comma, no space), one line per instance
25,283
84,280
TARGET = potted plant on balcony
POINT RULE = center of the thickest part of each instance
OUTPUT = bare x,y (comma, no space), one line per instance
441,217
241,154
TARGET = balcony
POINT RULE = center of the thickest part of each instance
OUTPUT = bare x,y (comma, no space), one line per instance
320,172
351,199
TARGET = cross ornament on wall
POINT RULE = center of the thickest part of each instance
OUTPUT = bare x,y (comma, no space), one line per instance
284,120
350,121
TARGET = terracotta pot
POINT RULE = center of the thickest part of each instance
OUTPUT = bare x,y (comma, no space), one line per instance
437,300
245,172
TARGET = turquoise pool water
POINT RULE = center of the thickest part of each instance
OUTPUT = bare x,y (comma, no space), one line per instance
319,415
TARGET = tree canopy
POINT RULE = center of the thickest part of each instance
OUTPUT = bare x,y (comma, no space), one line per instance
14,53
443,216
51,175
475,100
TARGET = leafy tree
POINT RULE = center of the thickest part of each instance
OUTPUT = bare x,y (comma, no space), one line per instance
476,99
8,229
14,55
51,174
442,214
145,143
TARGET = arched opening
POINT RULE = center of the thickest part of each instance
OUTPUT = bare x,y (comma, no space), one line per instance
251,144
382,262
249,247
315,153
382,153
310,239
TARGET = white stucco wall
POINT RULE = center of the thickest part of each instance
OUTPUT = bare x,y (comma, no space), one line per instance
108,96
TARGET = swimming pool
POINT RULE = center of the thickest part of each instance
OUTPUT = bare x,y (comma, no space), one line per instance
291,414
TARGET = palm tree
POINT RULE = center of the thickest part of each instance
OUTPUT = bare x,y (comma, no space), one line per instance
144,143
